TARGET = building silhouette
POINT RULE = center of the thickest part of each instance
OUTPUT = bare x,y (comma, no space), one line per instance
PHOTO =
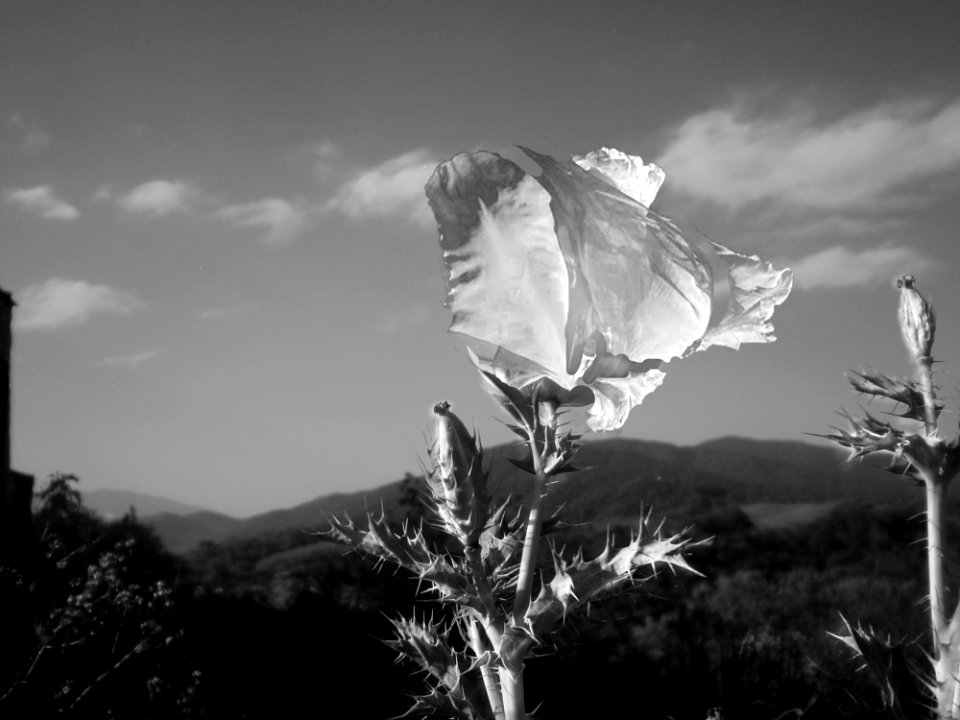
17,538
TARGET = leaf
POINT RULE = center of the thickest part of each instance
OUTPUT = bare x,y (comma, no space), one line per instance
902,391
457,692
578,582
867,435
898,679
446,578
518,405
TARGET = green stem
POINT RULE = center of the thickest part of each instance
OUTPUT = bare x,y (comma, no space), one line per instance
531,544
935,560
492,624
511,683
944,662
490,682
926,386
511,673
944,656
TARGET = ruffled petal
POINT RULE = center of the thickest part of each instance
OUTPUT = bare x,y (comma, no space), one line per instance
507,279
569,276
614,398
625,172
634,277
756,289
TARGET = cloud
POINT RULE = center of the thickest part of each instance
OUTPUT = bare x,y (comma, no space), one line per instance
60,303
282,220
840,267
392,189
158,197
327,161
42,201
129,361
25,137
793,159
103,193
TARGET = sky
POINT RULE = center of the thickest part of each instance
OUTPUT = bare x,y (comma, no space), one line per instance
229,283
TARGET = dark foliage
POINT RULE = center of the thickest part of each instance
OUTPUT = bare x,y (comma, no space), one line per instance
280,625
751,637
91,629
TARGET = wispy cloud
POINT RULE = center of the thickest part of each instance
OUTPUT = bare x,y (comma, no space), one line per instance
43,201
24,137
129,361
58,303
327,159
841,267
392,189
103,193
734,157
159,197
282,220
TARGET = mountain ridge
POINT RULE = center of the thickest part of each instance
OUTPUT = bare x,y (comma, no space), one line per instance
112,503
625,476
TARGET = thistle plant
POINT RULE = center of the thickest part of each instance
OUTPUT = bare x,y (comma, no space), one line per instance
910,437
570,293
474,661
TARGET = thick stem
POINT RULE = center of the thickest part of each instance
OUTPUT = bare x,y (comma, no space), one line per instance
935,561
945,660
926,386
511,683
492,623
944,656
531,545
511,674
480,579
490,682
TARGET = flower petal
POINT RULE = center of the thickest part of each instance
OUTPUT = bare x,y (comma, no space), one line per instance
569,276
507,279
756,288
634,277
625,172
615,397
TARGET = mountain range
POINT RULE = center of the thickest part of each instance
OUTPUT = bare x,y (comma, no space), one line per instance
772,481
114,504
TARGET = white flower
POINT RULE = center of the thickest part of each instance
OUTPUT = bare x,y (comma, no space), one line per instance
571,277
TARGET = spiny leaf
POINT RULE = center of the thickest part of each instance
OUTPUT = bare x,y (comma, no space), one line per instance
899,681
578,582
445,577
449,581
867,435
457,692
517,405
426,644
902,391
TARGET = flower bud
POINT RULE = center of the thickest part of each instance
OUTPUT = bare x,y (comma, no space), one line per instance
457,482
917,322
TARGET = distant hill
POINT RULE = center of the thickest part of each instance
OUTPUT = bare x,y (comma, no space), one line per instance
181,533
180,526
310,515
620,479
113,504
